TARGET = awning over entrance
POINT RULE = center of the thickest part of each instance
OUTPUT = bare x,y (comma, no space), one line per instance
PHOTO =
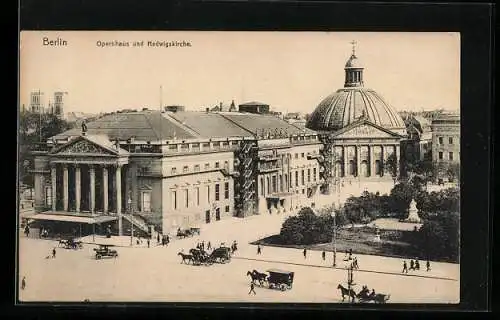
72,218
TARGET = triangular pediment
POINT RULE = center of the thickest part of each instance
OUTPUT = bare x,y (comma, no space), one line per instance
364,129
81,145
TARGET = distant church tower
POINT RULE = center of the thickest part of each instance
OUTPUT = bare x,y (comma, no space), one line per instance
36,102
58,106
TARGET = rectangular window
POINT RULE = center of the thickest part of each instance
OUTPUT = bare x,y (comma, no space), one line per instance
302,177
450,155
185,169
196,168
48,196
207,166
206,146
296,178
174,200
450,140
273,179
440,156
262,186
314,174
302,155
308,175
226,165
146,201
227,208
296,156
208,194
217,165
303,191
440,140
172,147
217,192
226,190
286,181
174,170
197,196
186,197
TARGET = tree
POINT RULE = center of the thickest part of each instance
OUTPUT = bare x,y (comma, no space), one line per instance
35,128
400,198
439,237
392,166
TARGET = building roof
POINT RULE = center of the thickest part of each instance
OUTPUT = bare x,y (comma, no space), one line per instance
346,105
209,124
257,122
253,103
143,126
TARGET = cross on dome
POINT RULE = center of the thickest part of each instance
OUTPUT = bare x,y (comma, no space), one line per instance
353,42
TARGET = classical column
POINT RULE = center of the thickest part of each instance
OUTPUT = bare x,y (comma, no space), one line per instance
358,160
65,187
372,161
382,160
118,178
78,187
53,174
346,167
397,151
92,188
105,189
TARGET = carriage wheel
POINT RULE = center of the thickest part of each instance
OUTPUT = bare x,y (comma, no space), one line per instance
283,287
223,259
98,256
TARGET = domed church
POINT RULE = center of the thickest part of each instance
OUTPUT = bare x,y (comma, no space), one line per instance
359,130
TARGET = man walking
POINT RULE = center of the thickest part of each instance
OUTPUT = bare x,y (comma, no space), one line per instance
305,253
54,253
259,250
417,264
405,267
252,288
158,238
323,255
148,242
412,265
428,264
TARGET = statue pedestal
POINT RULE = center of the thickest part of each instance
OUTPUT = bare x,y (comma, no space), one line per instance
413,213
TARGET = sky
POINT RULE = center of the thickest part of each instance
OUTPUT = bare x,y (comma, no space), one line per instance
290,71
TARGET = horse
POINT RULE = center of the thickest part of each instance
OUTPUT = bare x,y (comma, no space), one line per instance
62,242
185,257
346,292
257,276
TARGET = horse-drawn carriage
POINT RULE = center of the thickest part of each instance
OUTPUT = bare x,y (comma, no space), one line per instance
199,257
277,279
70,244
104,251
364,296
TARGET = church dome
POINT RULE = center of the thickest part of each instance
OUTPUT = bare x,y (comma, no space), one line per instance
348,105
354,102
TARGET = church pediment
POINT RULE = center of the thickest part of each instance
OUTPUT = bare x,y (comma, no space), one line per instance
83,146
363,131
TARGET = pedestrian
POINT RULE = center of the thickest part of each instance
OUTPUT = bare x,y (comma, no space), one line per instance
355,263
417,265
252,288
323,255
305,253
158,238
163,241
412,265
168,239
350,254
428,264
23,283
405,267
54,253
209,245
259,250
148,242
40,232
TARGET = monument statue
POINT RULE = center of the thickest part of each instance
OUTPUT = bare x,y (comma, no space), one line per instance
413,213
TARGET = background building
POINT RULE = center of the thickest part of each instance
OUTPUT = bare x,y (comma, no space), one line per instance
446,146
359,131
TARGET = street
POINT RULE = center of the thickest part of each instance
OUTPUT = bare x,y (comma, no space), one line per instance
156,274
